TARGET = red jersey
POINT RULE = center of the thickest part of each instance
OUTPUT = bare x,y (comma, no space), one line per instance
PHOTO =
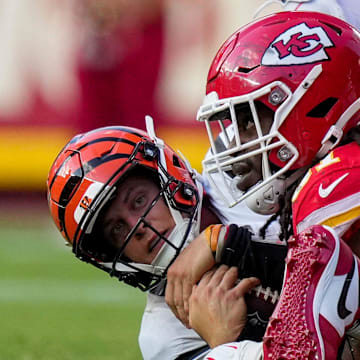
329,194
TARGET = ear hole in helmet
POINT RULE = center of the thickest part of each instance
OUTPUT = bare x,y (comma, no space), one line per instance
176,161
322,109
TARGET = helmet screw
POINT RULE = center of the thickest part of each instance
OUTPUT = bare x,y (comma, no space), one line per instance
188,191
276,96
284,154
150,151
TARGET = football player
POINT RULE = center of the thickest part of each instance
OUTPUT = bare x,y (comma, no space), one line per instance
282,102
126,203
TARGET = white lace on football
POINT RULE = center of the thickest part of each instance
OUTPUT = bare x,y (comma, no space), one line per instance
266,293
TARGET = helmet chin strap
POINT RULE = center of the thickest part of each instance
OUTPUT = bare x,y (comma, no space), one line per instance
167,253
265,201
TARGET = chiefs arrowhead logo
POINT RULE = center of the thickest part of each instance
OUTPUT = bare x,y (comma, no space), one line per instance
298,45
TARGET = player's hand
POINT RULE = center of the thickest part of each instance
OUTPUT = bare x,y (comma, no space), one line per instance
218,310
188,268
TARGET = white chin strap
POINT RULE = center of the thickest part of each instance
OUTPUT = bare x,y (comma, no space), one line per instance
122,267
166,253
265,200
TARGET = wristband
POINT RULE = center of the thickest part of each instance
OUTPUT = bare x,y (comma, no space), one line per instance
215,235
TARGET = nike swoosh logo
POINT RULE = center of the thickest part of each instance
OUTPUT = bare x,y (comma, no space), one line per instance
343,312
325,192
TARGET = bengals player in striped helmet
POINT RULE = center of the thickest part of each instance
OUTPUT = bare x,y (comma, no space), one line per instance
101,179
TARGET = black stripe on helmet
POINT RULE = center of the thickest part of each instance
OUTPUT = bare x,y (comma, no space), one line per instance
74,152
75,180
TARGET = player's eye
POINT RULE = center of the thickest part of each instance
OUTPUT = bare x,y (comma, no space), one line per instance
244,117
117,233
118,228
139,201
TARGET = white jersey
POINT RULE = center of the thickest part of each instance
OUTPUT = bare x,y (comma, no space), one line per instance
244,350
351,11
162,335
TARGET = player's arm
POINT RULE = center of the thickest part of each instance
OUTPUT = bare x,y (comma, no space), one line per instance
218,310
188,268
222,244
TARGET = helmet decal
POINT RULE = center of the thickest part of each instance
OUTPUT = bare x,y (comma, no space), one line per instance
86,200
298,45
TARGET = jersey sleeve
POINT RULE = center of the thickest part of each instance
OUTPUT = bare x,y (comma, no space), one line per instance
329,194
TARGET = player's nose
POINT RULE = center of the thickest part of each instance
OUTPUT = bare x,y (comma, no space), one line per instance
240,168
138,225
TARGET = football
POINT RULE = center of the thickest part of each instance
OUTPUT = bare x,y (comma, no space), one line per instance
260,303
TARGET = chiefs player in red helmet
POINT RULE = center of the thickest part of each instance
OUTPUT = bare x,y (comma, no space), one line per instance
282,93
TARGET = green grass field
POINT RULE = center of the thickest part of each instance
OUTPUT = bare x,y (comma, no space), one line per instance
54,307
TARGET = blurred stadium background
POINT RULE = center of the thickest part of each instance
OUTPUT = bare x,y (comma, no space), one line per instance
67,67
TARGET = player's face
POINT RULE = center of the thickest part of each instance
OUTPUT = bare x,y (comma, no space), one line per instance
134,196
249,171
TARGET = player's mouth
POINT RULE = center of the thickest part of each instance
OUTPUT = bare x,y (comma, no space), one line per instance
245,182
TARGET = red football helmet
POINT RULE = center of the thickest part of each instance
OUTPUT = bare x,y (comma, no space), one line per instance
85,175
303,67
